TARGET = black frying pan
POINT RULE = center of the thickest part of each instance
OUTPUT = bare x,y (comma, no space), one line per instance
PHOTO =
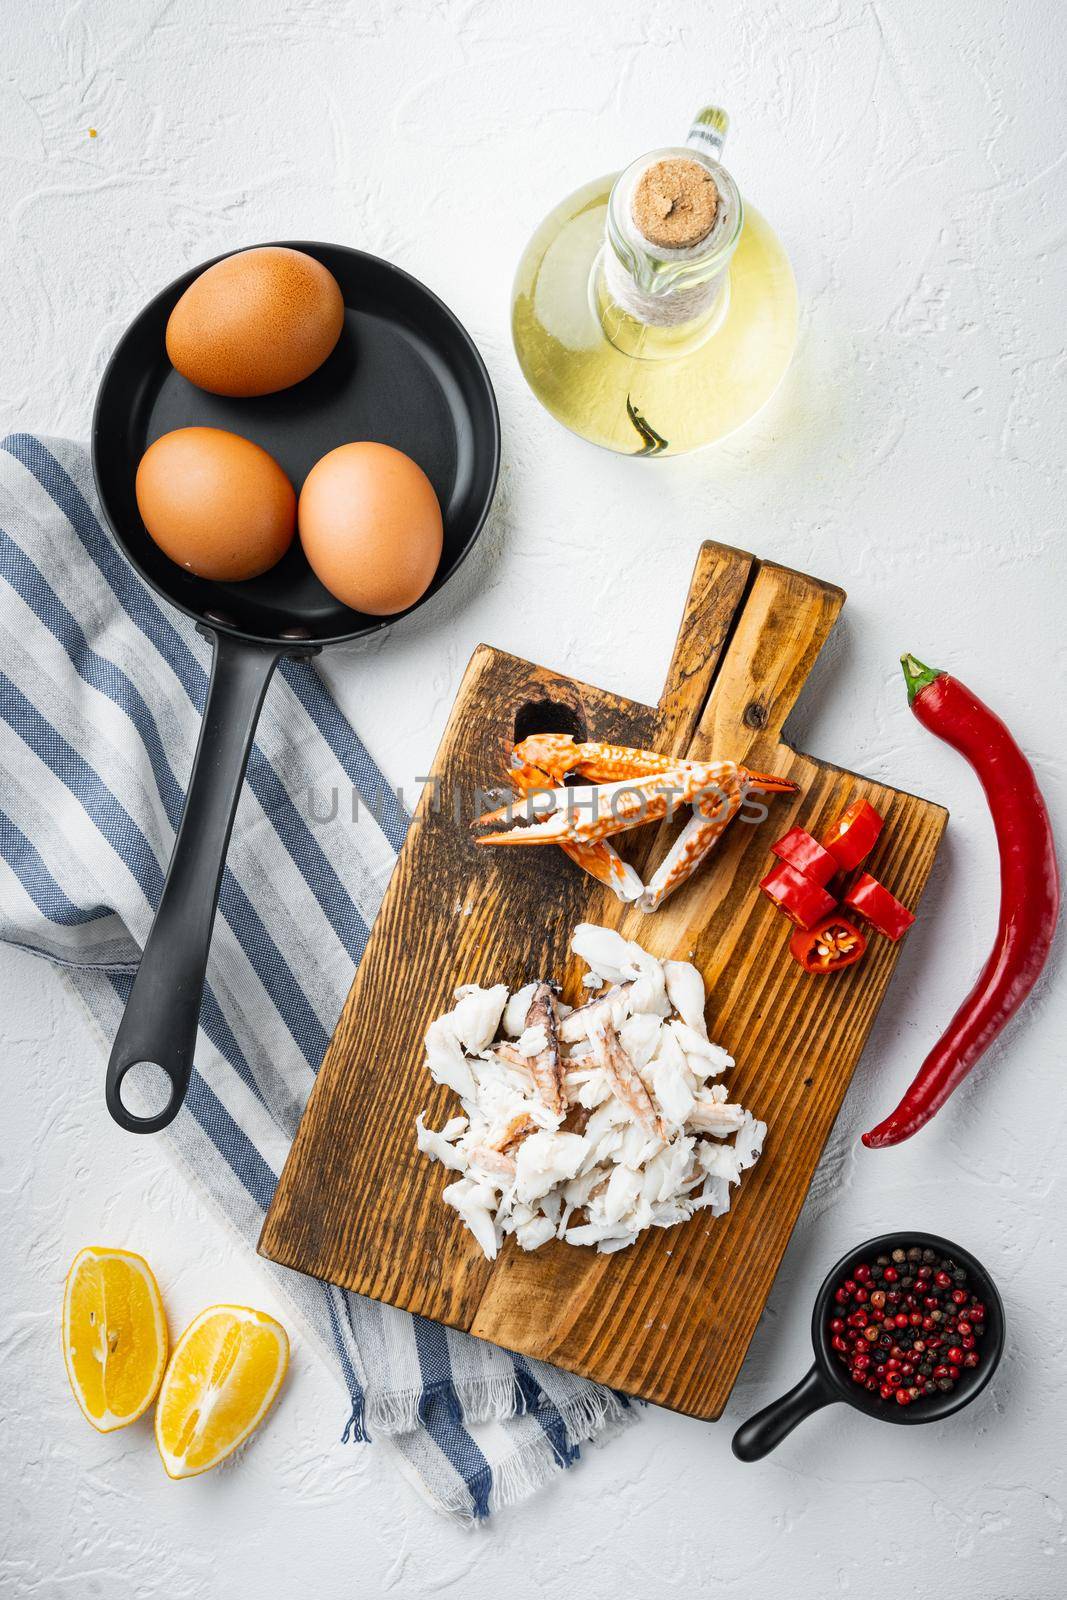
404,373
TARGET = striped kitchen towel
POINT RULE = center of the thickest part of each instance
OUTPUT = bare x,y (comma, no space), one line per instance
101,689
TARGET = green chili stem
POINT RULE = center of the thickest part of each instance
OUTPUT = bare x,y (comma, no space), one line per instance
916,676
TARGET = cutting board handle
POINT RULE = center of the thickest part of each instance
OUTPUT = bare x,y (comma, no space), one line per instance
784,622
716,592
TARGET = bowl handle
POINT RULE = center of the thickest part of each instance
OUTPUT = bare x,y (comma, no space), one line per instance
765,1431
160,1021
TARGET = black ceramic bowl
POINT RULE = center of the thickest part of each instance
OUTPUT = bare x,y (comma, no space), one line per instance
828,1381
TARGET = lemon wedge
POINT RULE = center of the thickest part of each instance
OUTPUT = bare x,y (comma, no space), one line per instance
222,1379
114,1335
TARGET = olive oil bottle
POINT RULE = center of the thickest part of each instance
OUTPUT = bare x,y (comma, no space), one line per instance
654,311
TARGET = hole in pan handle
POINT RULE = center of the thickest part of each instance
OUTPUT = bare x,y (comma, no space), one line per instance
161,1017
765,1431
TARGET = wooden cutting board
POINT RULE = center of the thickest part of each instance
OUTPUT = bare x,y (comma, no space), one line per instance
669,1319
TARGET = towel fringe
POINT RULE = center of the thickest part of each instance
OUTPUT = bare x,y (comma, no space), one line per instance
489,1399
442,1391
528,1392
528,1469
596,1414
356,1428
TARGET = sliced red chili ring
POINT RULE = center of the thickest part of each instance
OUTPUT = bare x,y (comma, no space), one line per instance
852,836
803,901
804,852
834,943
874,903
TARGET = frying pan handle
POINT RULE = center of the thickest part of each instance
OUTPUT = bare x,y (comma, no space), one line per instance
765,1431
163,1011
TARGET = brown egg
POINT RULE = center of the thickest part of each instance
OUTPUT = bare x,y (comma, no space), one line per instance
371,527
255,323
215,503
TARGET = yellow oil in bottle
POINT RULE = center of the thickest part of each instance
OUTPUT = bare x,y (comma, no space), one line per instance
641,387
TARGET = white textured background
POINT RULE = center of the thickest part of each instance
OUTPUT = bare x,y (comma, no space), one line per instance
912,158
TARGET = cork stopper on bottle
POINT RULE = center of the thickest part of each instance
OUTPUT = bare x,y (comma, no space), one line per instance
675,203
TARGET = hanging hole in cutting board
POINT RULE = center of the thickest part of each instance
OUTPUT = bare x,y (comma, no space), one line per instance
548,716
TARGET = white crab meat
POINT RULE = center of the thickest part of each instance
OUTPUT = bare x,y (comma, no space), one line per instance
749,1141
533,1234
685,990
477,1016
589,1125
699,1048
650,988
516,1009
446,1060
438,1147
475,1203
640,1035
545,1160
615,1003
673,1090
715,1116
603,950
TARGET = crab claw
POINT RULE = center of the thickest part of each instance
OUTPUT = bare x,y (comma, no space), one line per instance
604,863
584,815
601,860
765,782
699,836
558,754
551,755
626,786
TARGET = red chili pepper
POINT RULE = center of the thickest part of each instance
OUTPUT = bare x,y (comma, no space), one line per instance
800,850
832,944
1029,892
803,901
877,906
852,837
